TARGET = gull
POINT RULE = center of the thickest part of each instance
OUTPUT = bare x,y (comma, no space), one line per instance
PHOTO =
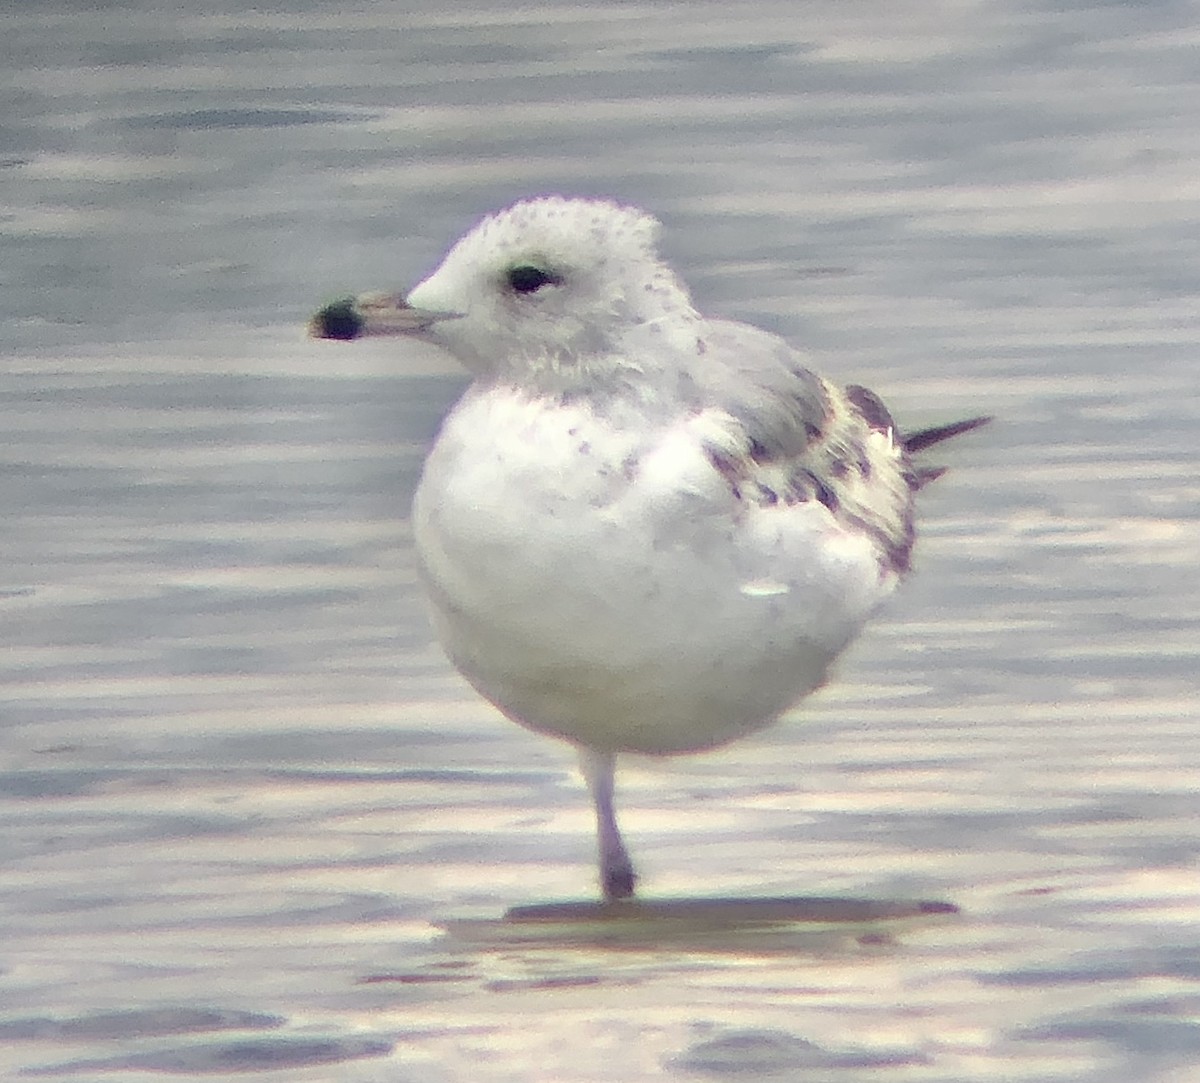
640,529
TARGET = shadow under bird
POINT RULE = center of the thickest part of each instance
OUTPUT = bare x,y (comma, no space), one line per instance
641,529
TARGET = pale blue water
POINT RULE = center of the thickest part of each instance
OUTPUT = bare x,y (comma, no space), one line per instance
241,790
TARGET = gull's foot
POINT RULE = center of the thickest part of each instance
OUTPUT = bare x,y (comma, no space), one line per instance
619,882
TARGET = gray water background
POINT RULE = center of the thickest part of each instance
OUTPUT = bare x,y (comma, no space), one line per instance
242,792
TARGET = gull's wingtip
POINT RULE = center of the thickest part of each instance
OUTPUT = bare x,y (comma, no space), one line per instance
923,438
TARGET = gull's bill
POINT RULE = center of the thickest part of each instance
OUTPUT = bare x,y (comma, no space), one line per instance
373,314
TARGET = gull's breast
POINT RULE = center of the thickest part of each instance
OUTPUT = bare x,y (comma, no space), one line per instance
605,583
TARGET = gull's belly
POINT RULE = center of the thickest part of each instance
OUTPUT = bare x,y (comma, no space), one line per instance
624,598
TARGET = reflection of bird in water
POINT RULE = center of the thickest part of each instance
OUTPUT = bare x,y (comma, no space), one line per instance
641,529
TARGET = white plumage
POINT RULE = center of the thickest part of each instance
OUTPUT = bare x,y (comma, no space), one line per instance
640,529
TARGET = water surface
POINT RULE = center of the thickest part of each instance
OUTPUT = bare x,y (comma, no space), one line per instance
242,792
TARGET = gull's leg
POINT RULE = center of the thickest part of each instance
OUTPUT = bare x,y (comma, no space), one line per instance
616,870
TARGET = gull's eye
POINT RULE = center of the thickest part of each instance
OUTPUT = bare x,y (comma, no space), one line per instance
525,278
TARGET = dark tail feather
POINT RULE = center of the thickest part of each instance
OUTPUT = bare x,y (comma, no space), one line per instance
919,441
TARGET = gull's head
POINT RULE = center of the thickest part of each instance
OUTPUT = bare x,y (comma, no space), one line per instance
549,284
